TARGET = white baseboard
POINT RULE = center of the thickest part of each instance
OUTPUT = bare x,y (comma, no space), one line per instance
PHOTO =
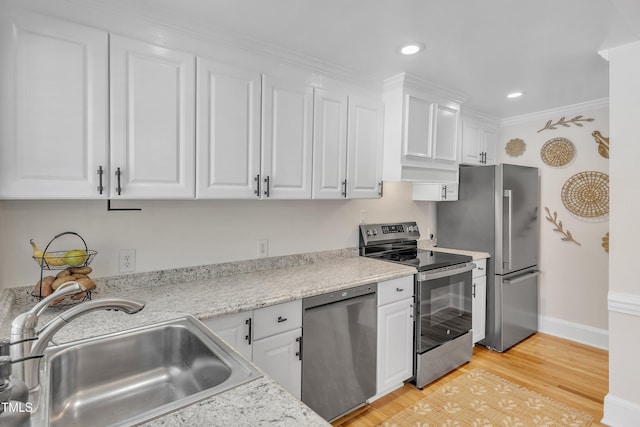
595,337
620,412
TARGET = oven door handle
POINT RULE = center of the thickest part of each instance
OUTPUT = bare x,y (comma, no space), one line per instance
446,273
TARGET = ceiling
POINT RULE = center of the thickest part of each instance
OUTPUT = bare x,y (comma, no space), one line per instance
483,49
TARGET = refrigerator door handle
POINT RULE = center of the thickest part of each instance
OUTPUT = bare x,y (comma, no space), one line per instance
522,278
508,195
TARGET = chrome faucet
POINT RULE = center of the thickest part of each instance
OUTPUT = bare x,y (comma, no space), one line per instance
23,328
28,345
47,332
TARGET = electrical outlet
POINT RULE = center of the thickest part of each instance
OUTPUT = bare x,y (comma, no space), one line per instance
363,216
263,248
127,260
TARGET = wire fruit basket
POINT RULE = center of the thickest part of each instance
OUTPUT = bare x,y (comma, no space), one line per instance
73,265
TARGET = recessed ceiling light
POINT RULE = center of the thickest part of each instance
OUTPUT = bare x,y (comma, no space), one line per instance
514,95
411,48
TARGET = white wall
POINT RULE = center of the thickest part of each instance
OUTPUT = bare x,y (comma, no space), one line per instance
622,404
170,234
574,280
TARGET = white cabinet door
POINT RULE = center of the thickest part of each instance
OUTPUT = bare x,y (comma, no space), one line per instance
418,128
445,133
235,330
472,145
287,138
278,356
329,144
435,192
53,108
490,138
479,142
364,142
153,121
228,131
479,307
395,345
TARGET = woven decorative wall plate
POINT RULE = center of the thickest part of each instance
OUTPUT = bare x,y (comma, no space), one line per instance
557,152
515,147
586,194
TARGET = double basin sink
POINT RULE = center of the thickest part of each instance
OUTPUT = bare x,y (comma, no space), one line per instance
134,376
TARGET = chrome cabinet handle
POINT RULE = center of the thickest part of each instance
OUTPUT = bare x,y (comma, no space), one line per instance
473,292
282,319
381,185
257,190
344,188
399,290
267,181
100,173
444,192
299,352
248,336
119,187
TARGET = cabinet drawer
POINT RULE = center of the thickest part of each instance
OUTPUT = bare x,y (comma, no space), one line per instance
481,268
395,290
277,318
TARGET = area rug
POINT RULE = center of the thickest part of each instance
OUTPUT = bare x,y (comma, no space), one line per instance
479,398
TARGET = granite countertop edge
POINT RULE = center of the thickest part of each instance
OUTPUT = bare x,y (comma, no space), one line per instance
209,291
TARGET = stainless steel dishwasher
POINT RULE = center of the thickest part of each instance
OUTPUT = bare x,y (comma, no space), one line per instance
339,350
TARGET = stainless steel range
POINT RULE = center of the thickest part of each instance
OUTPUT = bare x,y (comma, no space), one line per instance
443,286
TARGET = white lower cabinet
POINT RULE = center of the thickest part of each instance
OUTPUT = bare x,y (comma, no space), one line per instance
235,329
395,335
279,356
479,304
270,338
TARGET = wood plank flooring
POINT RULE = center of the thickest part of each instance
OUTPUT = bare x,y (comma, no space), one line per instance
573,373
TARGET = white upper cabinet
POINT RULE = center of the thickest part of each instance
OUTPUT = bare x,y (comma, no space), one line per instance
479,139
53,108
152,121
364,142
228,131
347,143
330,143
287,138
421,127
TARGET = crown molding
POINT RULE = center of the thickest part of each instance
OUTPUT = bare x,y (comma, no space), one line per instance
411,81
159,21
596,104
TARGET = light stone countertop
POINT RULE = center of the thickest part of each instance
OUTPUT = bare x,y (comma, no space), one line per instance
211,291
425,244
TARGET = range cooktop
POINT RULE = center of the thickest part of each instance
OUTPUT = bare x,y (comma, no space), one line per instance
423,259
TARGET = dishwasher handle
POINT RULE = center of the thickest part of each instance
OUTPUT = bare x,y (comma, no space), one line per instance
336,296
338,299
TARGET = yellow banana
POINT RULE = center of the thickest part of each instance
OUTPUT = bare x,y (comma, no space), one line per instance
51,260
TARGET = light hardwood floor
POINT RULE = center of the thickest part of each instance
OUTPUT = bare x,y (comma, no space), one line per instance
573,373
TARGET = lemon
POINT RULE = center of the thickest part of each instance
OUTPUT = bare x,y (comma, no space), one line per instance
75,257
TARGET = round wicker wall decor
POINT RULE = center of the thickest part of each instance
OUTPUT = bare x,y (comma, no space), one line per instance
557,152
586,194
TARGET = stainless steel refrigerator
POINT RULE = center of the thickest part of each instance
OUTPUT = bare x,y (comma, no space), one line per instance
497,211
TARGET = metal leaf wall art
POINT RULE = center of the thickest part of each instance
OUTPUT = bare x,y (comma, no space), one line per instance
603,144
566,123
559,228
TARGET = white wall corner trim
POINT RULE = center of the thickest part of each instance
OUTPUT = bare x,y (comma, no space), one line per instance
624,303
584,334
620,412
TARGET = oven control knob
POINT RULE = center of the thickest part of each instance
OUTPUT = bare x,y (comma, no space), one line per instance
375,232
410,228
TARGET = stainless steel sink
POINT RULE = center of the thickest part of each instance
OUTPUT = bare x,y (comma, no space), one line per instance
136,375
